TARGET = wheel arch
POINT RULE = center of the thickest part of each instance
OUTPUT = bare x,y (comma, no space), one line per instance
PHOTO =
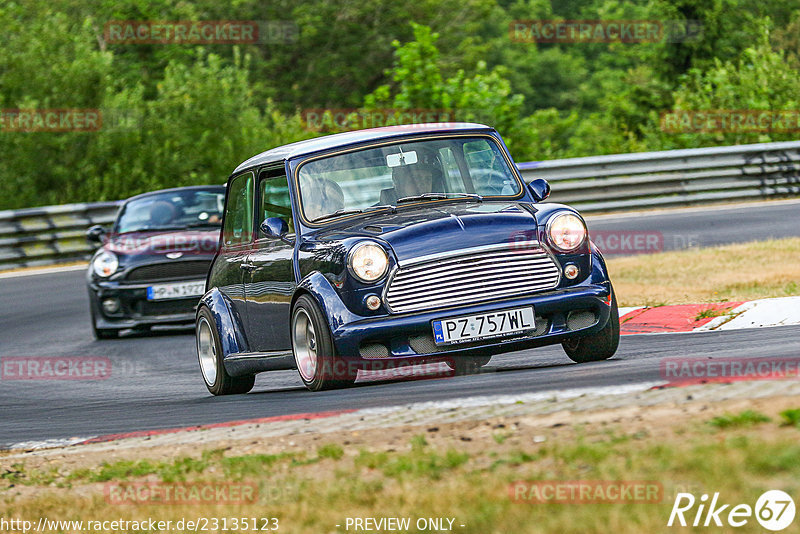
319,288
229,324
599,268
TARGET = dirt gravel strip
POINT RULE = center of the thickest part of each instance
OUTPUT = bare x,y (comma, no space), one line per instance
556,407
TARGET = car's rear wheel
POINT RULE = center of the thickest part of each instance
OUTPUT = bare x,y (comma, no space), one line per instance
599,346
314,352
209,354
467,365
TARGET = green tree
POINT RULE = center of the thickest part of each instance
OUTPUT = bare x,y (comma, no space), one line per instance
485,96
760,79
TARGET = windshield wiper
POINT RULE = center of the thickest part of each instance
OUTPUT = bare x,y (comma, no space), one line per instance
440,196
382,207
337,213
160,229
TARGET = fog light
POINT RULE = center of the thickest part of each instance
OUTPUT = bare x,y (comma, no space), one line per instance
111,305
373,302
571,271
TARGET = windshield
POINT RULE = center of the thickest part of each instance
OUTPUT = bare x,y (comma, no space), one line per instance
416,170
171,210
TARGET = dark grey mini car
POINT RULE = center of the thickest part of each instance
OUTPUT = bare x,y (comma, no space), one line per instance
151,267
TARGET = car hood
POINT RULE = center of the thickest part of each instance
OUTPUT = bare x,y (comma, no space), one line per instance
441,228
183,242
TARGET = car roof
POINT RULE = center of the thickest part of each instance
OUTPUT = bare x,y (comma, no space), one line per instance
318,144
221,188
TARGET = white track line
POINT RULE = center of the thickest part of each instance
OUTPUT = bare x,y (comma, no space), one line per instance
760,313
46,444
44,270
496,400
625,310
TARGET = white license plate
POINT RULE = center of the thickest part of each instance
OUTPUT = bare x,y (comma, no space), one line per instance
178,290
483,326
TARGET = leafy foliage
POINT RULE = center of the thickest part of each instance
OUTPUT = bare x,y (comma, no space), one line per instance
183,114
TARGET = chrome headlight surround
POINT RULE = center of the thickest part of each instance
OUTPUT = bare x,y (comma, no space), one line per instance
566,231
368,262
105,264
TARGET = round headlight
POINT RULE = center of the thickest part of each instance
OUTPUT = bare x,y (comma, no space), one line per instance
566,232
105,264
368,262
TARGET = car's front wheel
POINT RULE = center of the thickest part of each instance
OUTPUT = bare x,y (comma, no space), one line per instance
599,346
314,352
209,353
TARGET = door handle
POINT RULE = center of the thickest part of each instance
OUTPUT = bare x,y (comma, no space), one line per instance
249,267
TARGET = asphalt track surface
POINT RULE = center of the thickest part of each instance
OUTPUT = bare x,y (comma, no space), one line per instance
155,380
706,226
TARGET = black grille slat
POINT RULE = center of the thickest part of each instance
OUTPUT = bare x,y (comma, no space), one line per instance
167,307
176,270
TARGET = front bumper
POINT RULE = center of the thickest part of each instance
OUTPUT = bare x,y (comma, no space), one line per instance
408,338
135,309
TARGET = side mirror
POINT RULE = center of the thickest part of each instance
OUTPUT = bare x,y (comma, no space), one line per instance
95,235
276,228
539,189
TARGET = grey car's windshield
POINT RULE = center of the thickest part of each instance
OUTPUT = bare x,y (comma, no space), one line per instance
178,209
430,169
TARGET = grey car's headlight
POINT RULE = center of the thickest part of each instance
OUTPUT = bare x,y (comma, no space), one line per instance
566,232
368,262
105,264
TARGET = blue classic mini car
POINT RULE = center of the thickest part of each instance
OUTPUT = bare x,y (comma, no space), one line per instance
395,246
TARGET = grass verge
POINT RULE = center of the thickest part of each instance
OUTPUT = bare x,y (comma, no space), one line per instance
443,472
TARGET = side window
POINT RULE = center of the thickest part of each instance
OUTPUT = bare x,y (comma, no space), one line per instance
274,201
239,211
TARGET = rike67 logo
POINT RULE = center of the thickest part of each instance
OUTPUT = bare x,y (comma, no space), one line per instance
774,510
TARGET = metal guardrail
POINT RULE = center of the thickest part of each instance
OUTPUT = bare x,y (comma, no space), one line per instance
672,178
40,236
51,234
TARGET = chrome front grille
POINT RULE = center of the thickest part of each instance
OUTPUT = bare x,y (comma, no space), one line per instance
489,273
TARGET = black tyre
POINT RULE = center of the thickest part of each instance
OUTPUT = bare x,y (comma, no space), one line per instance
100,333
467,365
314,352
209,354
599,346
